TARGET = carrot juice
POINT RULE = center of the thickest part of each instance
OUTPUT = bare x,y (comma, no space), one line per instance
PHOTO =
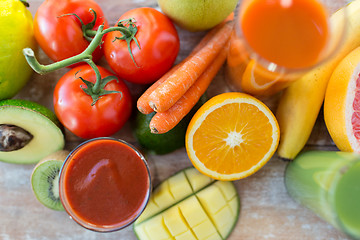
289,33
277,37
105,184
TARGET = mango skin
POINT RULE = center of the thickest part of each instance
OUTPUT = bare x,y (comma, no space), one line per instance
196,15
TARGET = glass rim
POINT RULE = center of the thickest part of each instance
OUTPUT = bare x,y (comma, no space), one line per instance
330,48
73,215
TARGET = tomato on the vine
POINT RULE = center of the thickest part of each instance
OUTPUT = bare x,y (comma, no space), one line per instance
74,108
59,34
157,51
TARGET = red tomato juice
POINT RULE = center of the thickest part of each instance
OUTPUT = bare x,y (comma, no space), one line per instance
289,33
104,184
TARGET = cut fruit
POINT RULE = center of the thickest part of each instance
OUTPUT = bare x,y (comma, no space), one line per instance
35,122
195,207
45,180
342,103
231,136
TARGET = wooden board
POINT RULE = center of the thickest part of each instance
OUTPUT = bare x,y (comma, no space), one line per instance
267,212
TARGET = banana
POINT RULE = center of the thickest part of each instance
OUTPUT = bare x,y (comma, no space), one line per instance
300,103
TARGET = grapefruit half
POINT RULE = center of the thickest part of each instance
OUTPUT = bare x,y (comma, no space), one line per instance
342,103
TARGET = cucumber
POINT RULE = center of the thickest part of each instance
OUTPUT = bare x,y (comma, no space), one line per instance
189,205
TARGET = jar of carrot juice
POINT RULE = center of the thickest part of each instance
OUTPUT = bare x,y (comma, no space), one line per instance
275,42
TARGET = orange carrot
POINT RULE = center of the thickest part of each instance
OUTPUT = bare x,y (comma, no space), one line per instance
143,101
171,90
165,121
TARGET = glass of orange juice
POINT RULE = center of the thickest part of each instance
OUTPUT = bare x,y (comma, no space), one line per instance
274,42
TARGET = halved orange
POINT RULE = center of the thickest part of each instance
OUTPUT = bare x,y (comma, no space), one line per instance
231,136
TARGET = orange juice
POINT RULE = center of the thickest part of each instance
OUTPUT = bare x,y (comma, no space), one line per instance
290,33
285,35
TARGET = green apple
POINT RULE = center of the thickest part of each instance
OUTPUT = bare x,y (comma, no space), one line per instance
197,15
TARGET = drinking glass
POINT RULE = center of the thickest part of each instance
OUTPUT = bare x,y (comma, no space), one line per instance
105,184
275,42
328,183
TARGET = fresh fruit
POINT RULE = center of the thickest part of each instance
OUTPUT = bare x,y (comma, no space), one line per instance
196,15
231,136
45,180
342,103
29,132
77,111
154,53
61,35
300,104
187,206
166,142
16,30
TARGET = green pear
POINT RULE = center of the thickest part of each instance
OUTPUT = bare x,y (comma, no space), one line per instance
197,15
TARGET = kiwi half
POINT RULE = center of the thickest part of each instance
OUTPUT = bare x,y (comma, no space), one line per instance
45,180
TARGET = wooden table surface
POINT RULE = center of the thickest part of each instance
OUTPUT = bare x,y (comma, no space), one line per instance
267,212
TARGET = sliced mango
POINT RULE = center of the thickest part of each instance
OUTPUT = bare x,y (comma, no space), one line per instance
189,205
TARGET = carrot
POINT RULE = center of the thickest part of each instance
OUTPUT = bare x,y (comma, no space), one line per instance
165,121
171,90
143,101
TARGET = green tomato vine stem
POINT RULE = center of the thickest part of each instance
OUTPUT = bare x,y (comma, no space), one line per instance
128,34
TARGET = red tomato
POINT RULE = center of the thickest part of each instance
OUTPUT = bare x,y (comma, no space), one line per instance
62,37
159,43
73,106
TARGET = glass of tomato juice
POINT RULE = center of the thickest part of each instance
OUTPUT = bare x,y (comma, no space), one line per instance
105,184
275,42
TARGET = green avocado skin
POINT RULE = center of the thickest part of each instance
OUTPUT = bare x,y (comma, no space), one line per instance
32,106
166,142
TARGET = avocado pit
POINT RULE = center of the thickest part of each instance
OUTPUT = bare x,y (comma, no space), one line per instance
13,138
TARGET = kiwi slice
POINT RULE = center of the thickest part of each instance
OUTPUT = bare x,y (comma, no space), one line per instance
45,180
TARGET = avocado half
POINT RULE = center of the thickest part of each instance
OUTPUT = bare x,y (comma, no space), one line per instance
45,129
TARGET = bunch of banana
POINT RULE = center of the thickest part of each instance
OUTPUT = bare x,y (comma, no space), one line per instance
301,102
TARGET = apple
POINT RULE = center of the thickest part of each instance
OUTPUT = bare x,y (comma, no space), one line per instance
197,15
